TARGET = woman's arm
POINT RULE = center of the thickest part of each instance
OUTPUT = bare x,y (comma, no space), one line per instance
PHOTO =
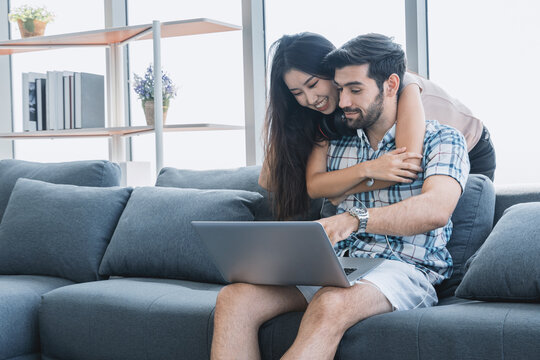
335,184
410,131
411,121
321,183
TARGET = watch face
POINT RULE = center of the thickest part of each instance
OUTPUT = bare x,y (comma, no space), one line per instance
360,212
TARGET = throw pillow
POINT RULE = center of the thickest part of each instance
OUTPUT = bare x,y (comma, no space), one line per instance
99,173
472,221
58,230
155,238
506,267
244,178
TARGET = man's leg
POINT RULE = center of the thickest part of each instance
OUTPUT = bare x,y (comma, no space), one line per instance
241,309
331,312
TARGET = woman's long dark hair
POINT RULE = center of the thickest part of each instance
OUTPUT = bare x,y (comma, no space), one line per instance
292,130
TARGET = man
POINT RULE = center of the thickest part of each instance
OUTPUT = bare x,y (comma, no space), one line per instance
406,223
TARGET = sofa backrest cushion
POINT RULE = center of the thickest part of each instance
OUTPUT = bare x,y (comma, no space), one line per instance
100,173
472,222
506,268
155,238
58,230
508,195
244,178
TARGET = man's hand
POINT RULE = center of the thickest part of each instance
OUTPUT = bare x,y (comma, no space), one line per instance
339,227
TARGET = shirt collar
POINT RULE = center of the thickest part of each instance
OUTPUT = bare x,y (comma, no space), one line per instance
388,137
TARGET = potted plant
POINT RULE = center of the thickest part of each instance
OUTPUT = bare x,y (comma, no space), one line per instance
144,88
32,21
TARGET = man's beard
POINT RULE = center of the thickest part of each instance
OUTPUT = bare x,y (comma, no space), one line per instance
373,113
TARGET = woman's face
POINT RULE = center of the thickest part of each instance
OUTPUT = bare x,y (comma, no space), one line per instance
312,92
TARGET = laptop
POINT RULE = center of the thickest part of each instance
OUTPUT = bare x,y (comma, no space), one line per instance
279,253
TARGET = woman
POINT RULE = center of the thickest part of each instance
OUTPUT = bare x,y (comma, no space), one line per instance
300,121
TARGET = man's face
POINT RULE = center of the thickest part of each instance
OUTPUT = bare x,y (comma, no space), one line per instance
359,96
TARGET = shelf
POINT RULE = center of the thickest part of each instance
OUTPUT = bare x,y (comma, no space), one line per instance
110,36
116,131
115,39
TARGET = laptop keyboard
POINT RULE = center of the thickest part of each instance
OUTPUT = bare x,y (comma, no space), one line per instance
349,270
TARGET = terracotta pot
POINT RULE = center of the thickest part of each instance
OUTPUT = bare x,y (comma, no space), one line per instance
31,28
148,107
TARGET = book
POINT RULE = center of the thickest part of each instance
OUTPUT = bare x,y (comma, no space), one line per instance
89,100
52,101
30,122
72,100
67,104
66,100
41,103
55,94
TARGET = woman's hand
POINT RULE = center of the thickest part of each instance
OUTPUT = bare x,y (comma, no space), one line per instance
392,166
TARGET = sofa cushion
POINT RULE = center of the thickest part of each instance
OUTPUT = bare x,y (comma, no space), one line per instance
472,222
58,230
155,237
99,173
468,330
508,195
20,296
128,319
506,267
244,178
34,356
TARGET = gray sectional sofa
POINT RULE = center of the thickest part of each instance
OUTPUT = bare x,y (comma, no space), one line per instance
90,270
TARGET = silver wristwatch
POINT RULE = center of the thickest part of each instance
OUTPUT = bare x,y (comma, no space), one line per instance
362,215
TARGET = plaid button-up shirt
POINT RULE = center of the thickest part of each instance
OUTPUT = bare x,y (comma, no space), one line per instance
445,153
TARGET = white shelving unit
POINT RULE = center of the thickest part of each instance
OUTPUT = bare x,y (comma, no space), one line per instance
115,39
110,132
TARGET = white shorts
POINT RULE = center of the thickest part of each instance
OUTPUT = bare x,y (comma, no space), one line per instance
403,284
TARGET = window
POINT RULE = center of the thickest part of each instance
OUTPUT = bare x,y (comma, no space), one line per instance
339,20
68,19
208,70
486,55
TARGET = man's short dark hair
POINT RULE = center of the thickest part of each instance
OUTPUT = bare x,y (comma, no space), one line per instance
384,56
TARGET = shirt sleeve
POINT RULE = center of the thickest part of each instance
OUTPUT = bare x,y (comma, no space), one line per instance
410,78
446,154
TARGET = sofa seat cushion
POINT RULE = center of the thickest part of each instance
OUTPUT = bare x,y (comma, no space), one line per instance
128,319
20,296
467,330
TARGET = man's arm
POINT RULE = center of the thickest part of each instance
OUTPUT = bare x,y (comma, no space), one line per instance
418,214
415,215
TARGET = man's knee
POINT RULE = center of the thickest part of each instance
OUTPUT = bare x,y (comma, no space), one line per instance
329,302
338,305
236,296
